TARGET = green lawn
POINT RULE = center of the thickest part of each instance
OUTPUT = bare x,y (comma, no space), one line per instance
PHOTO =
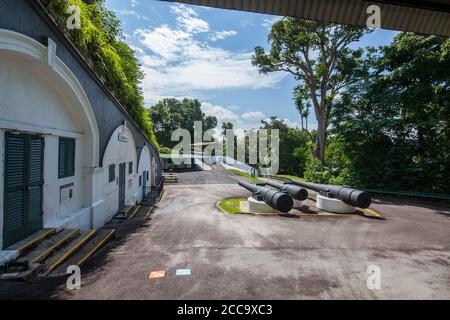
246,175
287,176
231,205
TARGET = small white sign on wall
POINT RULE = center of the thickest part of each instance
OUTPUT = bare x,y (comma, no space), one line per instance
66,192
123,137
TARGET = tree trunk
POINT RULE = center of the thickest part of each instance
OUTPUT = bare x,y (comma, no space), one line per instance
306,123
319,152
301,117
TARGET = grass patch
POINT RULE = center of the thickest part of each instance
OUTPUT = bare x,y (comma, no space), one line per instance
288,176
246,175
231,205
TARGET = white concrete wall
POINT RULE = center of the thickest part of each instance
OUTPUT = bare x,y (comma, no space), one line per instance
73,212
32,101
40,94
118,152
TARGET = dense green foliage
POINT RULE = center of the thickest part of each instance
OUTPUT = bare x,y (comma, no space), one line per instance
388,108
171,114
294,149
100,41
317,54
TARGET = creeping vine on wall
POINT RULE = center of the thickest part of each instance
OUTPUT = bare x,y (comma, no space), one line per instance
100,41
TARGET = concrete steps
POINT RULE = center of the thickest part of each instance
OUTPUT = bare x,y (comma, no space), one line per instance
100,239
48,251
31,241
66,252
50,245
143,213
125,212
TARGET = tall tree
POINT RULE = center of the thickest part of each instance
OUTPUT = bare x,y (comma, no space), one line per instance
171,114
303,108
300,105
226,126
402,110
293,150
306,112
318,55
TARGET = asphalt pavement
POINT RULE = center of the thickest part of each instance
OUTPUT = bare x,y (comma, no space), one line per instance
270,257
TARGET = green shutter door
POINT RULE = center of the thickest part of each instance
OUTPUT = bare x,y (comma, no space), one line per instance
35,183
24,159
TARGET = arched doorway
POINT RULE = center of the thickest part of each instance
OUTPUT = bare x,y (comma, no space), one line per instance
120,180
48,137
144,173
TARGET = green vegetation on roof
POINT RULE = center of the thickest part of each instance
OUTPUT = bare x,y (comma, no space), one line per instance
100,41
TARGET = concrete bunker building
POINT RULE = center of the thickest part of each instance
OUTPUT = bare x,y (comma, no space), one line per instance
70,154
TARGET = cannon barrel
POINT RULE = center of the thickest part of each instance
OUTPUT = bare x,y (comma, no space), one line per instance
278,200
296,192
354,197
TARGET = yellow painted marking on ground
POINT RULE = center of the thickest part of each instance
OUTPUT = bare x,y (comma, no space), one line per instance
44,254
36,240
131,216
148,213
325,214
96,247
157,274
66,255
370,211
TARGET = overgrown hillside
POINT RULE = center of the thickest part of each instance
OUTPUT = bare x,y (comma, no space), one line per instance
100,40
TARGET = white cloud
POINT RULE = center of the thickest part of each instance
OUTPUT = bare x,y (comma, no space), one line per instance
221,113
135,3
247,23
253,116
245,122
177,64
133,13
187,19
152,61
268,22
136,49
292,124
163,40
182,10
220,35
192,24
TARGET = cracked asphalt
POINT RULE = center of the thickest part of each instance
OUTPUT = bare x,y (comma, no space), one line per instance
271,257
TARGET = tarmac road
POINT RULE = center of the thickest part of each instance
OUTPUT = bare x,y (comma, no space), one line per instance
272,257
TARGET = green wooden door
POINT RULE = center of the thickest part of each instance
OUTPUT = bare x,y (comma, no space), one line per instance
144,185
122,181
24,162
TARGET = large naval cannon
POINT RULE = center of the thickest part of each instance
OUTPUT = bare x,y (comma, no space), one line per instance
353,197
296,192
278,200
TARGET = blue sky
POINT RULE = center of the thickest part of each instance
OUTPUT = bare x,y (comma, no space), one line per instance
205,53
